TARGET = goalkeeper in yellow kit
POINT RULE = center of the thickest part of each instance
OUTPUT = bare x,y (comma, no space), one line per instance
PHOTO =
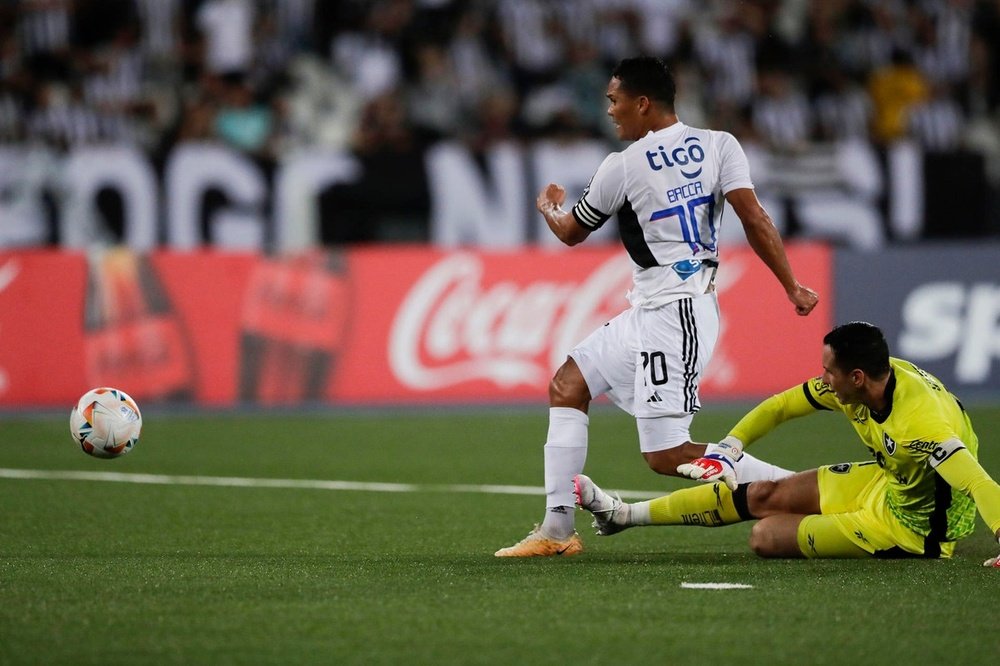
915,499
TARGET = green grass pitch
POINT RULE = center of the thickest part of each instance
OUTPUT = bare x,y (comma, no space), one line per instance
98,572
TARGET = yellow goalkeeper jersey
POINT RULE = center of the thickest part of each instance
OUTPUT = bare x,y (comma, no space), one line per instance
923,442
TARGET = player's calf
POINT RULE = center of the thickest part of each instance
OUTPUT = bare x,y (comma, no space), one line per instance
796,494
666,461
776,536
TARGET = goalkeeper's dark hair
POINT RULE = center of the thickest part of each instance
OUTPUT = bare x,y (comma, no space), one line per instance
647,76
859,345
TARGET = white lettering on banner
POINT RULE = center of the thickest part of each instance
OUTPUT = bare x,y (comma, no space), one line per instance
941,319
486,206
123,169
194,168
470,208
8,273
450,329
932,321
490,206
299,180
25,173
982,334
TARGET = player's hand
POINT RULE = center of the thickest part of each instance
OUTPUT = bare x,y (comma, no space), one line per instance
717,464
993,562
804,299
551,197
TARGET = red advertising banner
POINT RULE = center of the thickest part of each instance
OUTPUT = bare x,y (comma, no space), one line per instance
380,326
764,346
473,327
41,328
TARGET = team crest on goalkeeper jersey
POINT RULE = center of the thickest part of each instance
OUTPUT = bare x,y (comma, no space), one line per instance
889,443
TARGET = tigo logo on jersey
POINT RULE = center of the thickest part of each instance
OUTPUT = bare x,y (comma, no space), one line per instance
692,154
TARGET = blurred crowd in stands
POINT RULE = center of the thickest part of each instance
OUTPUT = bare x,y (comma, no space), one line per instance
271,76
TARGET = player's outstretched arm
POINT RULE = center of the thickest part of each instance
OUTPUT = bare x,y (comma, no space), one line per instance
562,223
960,470
766,242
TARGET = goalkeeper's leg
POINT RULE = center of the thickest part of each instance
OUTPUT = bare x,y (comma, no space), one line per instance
713,505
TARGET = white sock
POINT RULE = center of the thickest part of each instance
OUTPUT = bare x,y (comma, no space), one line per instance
638,514
565,455
754,469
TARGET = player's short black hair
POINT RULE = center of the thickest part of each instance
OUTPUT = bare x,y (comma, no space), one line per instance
647,76
859,345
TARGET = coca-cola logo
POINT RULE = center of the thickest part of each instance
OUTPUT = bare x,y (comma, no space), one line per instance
452,327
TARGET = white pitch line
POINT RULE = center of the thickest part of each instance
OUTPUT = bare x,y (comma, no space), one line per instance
716,586
307,484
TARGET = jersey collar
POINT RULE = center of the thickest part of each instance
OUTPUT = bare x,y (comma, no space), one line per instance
890,387
667,131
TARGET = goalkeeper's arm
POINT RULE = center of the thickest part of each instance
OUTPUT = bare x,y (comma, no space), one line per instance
774,411
718,463
955,464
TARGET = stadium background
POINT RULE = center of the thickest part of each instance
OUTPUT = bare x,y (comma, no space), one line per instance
283,202
282,212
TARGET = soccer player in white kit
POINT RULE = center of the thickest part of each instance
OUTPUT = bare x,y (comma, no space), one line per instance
667,189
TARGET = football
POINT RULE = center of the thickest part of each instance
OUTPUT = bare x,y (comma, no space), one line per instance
105,422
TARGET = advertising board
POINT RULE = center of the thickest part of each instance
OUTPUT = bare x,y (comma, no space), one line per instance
379,325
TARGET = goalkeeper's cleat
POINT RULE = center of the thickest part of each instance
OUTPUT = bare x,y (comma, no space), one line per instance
611,514
539,544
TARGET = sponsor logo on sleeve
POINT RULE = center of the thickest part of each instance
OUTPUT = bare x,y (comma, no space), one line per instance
820,387
920,446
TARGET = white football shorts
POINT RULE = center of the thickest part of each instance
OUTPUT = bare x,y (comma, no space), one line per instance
650,361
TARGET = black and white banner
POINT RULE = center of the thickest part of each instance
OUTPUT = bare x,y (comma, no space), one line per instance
939,306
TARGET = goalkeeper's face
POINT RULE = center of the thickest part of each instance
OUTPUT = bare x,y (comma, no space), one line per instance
846,385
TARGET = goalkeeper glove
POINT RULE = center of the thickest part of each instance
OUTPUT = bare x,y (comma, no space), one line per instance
718,463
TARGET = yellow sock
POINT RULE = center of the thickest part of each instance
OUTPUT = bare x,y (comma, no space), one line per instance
706,505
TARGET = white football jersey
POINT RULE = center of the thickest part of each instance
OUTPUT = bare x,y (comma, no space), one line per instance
667,189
